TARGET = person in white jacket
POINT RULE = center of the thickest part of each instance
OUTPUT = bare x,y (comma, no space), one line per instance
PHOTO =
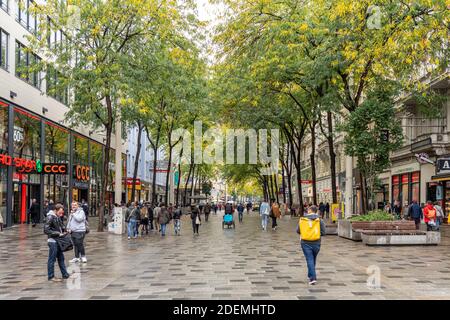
77,229
264,211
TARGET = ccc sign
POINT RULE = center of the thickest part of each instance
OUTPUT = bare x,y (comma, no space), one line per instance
81,172
54,168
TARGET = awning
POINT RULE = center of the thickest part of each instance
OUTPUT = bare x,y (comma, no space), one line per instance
442,177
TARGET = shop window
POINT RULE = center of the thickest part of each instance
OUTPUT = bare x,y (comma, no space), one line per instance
4,49
56,151
27,135
415,186
96,151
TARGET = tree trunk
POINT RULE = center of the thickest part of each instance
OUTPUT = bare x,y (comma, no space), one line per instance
104,189
289,177
192,183
155,147
330,140
283,172
363,193
276,187
313,161
191,165
136,160
179,178
169,165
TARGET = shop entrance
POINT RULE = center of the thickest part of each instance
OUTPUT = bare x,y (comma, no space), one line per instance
22,196
80,194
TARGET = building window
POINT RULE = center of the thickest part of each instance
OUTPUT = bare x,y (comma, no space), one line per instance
25,17
27,66
4,4
4,40
406,187
55,88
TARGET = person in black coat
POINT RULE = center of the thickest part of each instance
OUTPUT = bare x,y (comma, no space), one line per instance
34,212
54,228
195,213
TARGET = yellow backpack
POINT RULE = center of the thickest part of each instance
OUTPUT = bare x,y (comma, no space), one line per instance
309,229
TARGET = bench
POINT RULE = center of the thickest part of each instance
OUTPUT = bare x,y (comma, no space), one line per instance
381,233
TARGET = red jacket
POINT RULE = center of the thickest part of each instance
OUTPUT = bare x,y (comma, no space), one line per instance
426,212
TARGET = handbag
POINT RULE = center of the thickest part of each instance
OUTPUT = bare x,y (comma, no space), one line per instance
197,220
65,242
86,224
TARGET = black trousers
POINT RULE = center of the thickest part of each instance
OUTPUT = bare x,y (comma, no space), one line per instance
195,226
78,243
206,216
274,222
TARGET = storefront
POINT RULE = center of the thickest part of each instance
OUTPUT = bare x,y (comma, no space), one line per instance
439,189
406,187
42,160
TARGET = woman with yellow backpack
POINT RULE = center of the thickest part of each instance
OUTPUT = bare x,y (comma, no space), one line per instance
311,228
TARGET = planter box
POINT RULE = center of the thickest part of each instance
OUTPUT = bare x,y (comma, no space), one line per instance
352,229
331,229
389,239
345,230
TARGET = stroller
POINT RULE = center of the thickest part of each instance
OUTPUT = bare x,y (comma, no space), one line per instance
228,221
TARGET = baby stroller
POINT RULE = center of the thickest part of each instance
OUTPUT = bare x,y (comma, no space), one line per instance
228,221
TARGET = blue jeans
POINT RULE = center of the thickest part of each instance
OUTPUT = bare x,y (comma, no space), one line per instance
163,229
53,254
265,220
311,250
177,226
132,228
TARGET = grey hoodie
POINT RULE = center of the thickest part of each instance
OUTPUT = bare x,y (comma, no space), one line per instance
77,221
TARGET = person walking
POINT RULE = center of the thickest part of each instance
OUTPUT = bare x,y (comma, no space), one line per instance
54,229
439,215
388,208
85,208
276,214
311,228
34,212
215,207
249,207
415,213
144,220
405,211
76,226
164,218
156,211
1,222
264,211
177,220
429,214
207,211
240,210
150,214
397,209
196,219
327,210
130,218
322,209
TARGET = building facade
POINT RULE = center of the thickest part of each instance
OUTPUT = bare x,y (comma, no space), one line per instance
40,157
145,168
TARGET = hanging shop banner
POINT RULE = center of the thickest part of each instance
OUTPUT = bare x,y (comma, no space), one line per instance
81,173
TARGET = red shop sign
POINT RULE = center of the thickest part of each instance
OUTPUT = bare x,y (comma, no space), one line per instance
22,165
395,179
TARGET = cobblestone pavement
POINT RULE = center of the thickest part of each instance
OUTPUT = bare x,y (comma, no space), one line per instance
246,263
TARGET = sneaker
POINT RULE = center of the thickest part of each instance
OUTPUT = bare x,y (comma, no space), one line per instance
66,277
55,279
129,238
75,260
312,282
83,259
